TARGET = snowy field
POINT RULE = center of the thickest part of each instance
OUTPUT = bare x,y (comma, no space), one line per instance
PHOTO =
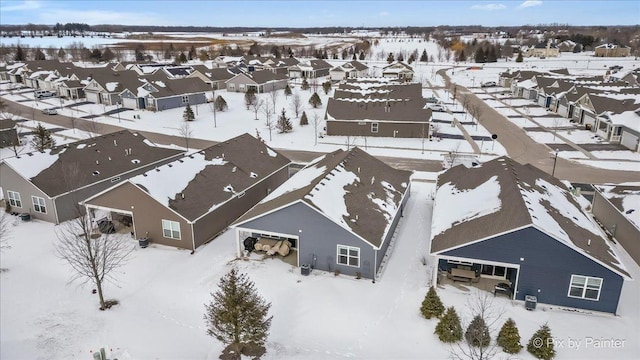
162,292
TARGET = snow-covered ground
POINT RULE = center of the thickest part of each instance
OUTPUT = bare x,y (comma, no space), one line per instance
162,292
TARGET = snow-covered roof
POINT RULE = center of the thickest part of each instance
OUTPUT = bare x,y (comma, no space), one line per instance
111,86
31,164
626,198
352,188
501,196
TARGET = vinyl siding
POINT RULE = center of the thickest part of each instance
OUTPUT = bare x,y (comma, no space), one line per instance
625,232
176,101
11,181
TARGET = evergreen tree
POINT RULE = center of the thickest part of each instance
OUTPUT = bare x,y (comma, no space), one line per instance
314,100
541,344
361,55
284,123
19,56
42,139
424,57
509,337
519,59
192,53
461,56
303,119
354,57
96,55
390,58
431,305
287,90
167,54
477,333
480,56
491,55
182,58
326,86
237,315
412,58
188,114
400,57
305,84
107,54
61,54
39,55
250,97
221,104
449,329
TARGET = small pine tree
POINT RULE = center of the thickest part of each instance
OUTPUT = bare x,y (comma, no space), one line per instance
19,55
303,119
284,123
390,58
424,57
237,315
305,84
326,86
509,337
287,90
182,58
42,139
221,104
541,344
259,137
250,97
477,333
61,54
188,114
480,56
519,59
449,329
40,55
361,55
314,100
431,305
461,56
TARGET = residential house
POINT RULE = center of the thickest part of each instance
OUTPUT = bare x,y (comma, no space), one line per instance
105,86
613,116
398,70
378,108
339,213
352,69
566,46
48,185
309,68
508,78
261,81
617,209
543,50
549,93
516,224
280,66
189,201
216,77
612,50
158,93
8,133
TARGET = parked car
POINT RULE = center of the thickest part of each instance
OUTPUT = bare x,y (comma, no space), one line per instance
436,107
39,94
488,84
51,111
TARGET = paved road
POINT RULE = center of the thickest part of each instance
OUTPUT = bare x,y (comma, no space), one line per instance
100,128
524,149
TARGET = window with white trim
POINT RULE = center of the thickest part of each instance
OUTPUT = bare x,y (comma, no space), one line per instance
374,127
171,229
348,255
39,205
185,99
14,198
585,287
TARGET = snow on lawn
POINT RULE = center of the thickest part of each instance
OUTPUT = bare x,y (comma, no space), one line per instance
162,292
611,165
618,155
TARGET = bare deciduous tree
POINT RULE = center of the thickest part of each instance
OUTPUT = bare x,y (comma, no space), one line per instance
93,257
256,106
475,111
315,121
273,96
93,127
268,111
296,104
479,305
186,133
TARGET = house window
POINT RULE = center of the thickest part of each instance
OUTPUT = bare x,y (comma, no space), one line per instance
348,255
39,204
466,263
585,287
171,229
185,99
14,199
374,127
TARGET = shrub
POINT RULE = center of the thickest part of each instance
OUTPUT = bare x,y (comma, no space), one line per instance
448,328
541,344
431,305
509,337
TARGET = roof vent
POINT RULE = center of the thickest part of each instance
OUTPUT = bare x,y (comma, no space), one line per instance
589,242
182,195
97,162
115,142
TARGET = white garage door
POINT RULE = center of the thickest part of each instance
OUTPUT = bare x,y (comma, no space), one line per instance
589,119
630,141
130,103
562,110
93,97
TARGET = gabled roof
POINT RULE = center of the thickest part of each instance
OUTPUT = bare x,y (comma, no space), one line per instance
197,183
177,87
351,188
502,196
313,64
263,76
625,198
351,65
217,74
6,124
397,66
81,163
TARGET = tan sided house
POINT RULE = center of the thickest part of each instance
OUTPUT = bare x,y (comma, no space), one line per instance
189,201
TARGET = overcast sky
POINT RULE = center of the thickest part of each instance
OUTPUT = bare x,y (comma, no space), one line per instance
296,13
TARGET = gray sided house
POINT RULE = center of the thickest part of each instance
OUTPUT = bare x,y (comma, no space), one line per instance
157,93
514,223
312,68
380,109
50,184
617,208
216,78
339,213
398,70
350,70
105,85
189,201
261,81
8,133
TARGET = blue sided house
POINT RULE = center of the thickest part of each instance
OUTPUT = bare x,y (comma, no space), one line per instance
339,213
515,223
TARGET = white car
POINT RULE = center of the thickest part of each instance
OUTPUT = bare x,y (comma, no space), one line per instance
39,94
488,84
51,111
436,107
